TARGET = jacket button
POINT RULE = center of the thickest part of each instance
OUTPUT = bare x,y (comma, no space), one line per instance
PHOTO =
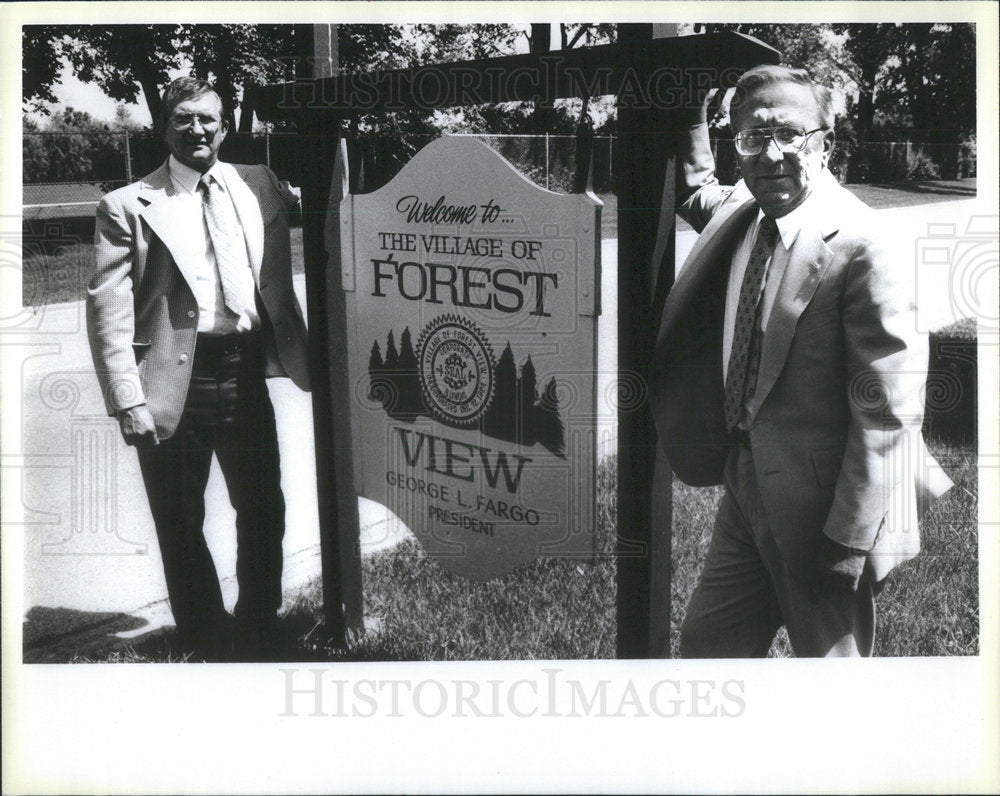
184,357
190,313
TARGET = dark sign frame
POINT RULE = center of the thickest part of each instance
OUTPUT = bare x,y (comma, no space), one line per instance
654,81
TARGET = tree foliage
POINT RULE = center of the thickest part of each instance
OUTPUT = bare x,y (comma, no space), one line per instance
916,81
815,48
912,81
72,146
121,59
124,60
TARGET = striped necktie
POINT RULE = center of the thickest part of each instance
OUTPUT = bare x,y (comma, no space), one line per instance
741,372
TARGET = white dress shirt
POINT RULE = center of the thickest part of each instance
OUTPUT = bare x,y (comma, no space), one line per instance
214,317
809,214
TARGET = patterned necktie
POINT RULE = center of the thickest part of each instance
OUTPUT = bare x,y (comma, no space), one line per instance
741,371
224,230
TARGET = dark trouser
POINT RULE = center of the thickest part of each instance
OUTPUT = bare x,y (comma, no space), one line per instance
746,591
227,412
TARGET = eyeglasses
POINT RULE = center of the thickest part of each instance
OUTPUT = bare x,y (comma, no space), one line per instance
185,121
788,139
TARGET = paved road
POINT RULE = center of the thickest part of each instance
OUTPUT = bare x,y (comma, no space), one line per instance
91,563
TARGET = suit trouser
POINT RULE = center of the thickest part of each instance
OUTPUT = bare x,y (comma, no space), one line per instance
746,591
227,411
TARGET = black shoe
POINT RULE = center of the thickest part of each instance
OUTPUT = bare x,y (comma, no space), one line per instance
263,640
213,644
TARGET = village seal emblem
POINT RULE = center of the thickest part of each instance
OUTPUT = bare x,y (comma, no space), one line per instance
456,369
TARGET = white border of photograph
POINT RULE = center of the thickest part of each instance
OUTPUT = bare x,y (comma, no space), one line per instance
918,725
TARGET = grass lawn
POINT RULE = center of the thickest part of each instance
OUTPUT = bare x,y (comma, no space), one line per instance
564,609
908,194
929,606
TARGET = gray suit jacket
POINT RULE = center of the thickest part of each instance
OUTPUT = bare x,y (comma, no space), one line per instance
838,408
142,315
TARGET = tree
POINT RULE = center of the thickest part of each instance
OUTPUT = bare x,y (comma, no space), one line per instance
816,48
500,419
901,81
127,61
124,59
436,44
391,355
932,85
550,431
915,81
411,403
72,147
121,59
869,46
528,397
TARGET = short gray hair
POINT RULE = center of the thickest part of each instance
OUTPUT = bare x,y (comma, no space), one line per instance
768,74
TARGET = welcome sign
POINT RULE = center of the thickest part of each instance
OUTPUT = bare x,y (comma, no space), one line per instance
472,299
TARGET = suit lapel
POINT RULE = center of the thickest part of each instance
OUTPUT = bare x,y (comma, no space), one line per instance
246,199
712,248
164,220
807,264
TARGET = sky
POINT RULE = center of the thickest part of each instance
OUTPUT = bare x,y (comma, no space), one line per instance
72,93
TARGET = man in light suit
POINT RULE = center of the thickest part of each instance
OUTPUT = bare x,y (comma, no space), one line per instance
788,367
190,307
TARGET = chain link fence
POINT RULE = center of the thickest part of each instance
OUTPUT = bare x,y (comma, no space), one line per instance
65,174
113,159
61,169
550,160
874,161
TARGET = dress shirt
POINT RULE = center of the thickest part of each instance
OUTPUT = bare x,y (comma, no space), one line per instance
213,315
809,214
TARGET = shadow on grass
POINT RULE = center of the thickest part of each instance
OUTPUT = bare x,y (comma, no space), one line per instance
54,635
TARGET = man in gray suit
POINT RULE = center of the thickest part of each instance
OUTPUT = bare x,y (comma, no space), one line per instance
789,368
190,307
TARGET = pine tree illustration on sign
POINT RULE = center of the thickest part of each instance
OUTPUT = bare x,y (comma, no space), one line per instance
514,412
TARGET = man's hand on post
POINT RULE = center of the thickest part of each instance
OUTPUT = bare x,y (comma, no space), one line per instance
704,106
138,427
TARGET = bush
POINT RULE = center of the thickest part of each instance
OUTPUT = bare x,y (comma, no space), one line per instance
859,167
920,166
967,157
72,147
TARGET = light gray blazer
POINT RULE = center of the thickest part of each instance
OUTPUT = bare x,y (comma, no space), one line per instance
142,315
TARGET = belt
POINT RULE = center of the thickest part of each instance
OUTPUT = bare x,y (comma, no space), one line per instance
740,437
216,345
